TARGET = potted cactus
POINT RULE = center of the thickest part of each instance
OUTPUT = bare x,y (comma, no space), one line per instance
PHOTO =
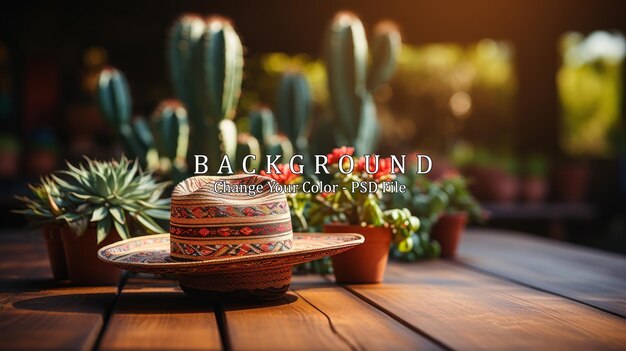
42,210
362,212
96,205
444,207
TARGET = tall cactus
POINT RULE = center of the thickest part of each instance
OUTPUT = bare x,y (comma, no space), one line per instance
351,83
115,103
293,109
171,133
263,128
206,65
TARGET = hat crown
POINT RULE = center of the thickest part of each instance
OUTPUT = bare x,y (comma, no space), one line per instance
218,217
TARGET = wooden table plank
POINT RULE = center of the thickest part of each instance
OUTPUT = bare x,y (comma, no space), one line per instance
590,276
468,310
63,318
317,315
38,312
154,313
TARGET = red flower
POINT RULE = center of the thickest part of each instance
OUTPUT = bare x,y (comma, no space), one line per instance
284,175
326,195
335,155
384,168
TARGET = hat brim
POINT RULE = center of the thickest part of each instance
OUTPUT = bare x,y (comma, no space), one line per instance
151,254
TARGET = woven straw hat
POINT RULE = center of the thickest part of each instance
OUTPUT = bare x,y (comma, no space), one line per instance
238,241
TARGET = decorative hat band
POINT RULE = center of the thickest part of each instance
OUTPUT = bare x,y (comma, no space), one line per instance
207,224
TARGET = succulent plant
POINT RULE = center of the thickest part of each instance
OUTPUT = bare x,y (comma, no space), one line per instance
293,107
45,205
351,84
206,65
111,195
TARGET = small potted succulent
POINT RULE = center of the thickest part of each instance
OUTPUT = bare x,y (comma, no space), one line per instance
534,184
100,204
362,212
444,207
42,210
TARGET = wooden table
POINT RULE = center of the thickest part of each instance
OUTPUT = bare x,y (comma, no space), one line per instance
505,291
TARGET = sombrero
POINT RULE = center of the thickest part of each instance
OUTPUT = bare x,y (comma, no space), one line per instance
228,234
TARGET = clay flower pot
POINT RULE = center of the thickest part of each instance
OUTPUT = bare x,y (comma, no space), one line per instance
448,230
571,182
534,190
365,263
492,184
83,265
56,251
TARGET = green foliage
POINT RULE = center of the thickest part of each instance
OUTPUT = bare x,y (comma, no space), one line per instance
264,128
590,87
115,105
46,203
171,136
351,84
111,195
206,65
293,106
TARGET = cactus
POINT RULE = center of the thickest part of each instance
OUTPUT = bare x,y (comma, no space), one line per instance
115,104
351,84
170,128
206,65
263,128
293,107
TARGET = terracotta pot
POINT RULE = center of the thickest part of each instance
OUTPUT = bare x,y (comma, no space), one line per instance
491,184
56,251
365,263
83,265
571,182
448,230
534,190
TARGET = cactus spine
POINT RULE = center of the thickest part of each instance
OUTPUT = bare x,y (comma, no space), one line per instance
206,65
351,84
294,112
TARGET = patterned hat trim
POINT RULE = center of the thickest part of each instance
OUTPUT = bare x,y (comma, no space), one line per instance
206,224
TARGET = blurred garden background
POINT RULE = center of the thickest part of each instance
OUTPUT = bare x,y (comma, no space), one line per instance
525,98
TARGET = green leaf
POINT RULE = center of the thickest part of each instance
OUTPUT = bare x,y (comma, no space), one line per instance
99,213
118,214
158,214
149,224
122,230
64,184
102,229
405,245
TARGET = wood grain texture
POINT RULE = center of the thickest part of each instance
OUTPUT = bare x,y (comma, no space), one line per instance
593,277
38,312
155,314
361,325
62,318
318,315
467,310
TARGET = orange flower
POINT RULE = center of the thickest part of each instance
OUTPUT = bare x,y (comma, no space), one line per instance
335,155
285,175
